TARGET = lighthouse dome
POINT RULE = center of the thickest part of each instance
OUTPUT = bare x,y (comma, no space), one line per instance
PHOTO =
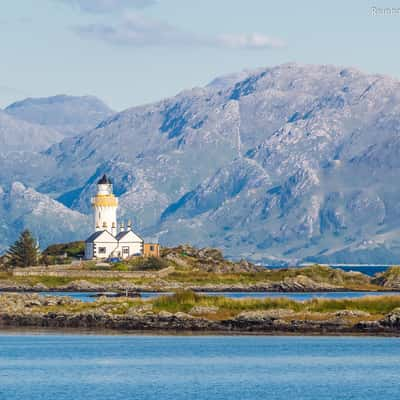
104,180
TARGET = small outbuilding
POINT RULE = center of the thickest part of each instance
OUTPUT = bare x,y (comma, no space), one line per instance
151,250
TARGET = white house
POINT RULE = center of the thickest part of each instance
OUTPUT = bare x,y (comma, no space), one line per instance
106,241
100,244
129,244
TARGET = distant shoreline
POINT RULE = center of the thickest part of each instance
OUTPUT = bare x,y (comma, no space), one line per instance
77,330
46,331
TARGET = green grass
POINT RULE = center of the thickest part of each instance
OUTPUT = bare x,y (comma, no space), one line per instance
146,264
190,277
185,300
371,304
317,273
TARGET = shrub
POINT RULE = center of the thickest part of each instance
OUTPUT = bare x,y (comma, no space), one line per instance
120,266
147,263
71,249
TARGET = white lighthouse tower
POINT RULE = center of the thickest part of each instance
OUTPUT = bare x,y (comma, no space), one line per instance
105,206
106,242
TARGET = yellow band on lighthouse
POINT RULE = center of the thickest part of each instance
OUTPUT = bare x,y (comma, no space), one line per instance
105,201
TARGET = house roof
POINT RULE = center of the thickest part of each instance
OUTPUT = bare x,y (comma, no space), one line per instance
104,180
121,235
97,234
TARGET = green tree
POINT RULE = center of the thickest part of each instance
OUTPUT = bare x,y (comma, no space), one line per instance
24,252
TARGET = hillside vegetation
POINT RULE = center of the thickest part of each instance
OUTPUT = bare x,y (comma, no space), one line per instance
184,267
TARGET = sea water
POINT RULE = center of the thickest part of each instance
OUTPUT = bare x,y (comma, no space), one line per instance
300,296
65,366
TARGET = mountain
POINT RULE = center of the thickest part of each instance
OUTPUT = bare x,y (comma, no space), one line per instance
284,164
69,115
17,135
50,221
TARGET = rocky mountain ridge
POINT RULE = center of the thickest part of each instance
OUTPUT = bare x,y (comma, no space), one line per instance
284,164
68,115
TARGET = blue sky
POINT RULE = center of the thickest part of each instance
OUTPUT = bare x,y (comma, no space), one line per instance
130,52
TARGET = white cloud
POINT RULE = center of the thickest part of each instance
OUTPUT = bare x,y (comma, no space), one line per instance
249,41
106,6
138,30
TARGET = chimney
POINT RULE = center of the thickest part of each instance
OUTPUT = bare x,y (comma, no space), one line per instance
121,227
129,225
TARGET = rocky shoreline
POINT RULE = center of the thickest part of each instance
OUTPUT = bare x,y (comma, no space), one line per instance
297,284
181,322
34,311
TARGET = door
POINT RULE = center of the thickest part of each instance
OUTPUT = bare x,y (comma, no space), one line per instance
125,251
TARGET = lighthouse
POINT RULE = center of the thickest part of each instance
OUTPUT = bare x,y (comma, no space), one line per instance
105,206
106,242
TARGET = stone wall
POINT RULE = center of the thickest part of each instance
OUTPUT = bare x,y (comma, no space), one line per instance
73,272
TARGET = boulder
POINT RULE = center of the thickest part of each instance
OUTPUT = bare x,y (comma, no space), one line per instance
40,287
302,283
165,314
201,310
351,314
182,315
392,319
265,314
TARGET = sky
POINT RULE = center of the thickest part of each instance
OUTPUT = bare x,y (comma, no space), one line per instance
132,52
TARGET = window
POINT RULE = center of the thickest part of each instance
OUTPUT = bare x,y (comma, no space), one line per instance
125,250
102,250
151,248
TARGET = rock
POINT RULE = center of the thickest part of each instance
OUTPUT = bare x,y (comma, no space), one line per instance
389,279
206,259
8,285
369,326
165,314
182,315
351,314
200,310
139,310
265,314
392,319
302,283
40,287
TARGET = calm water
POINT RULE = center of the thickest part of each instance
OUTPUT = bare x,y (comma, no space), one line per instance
87,296
370,270
86,367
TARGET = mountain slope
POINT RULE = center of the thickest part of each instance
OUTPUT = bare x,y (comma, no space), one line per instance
17,135
331,198
69,115
285,163
51,222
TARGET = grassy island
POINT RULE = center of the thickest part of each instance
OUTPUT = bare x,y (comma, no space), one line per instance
188,311
187,268
187,273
